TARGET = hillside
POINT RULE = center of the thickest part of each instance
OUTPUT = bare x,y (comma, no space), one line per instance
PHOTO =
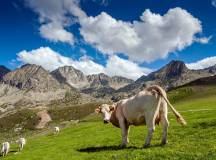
172,75
31,86
94,140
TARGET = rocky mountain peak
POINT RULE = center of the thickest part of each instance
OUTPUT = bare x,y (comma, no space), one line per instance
97,80
31,76
3,70
211,70
117,82
174,69
70,75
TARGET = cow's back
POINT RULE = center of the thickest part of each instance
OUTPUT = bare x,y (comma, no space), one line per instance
136,108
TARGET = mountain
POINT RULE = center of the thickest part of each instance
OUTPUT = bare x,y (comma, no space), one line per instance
95,84
3,71
102,85
102,80
31,86
211,70
70,75
170,76
32,77
117,82
203,81
98,80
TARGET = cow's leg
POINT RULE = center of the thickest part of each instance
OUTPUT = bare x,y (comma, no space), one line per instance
165,123
128,129
150,122
124,132
151,129
21,147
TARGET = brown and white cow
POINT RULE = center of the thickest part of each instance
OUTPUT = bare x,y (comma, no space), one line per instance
147,107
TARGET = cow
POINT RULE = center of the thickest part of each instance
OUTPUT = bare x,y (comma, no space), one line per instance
21,142
148,107
5,148
56,130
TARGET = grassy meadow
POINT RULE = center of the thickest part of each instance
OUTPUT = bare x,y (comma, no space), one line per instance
91,139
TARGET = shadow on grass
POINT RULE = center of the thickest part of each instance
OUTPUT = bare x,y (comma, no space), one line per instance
105,148
112,148
12,151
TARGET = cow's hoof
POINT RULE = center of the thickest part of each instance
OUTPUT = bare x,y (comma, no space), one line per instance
122,146
146,146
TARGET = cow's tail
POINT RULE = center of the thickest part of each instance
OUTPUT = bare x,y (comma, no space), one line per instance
159,90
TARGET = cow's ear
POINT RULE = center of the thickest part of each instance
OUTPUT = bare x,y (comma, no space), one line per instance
98,110
112,107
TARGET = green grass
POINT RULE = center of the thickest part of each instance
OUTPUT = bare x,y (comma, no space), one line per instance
25,117
92,139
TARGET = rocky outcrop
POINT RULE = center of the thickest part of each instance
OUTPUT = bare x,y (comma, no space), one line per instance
31,77
72,76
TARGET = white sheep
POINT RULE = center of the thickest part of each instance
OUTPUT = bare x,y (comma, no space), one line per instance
5,148
21,142
56,130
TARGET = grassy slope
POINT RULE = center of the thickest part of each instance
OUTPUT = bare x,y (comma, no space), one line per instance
94,140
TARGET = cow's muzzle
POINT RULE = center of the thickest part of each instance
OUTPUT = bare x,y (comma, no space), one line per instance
106,121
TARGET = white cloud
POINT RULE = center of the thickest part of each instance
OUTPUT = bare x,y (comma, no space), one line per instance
122,67
153,37
201,64
51,60
107,34
213,2
87,66
55,16
56,33
203,40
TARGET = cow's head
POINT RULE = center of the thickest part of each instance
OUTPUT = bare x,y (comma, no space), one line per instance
106,111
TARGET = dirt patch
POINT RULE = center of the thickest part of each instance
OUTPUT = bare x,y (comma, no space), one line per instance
44,119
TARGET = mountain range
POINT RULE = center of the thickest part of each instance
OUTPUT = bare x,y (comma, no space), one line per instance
172,75
33,81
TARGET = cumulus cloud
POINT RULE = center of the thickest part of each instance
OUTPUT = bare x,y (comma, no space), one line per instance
51,60
55,16
153,37
122,67
201,64
56,33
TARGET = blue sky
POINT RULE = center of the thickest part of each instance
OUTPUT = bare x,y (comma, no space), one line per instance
128,38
